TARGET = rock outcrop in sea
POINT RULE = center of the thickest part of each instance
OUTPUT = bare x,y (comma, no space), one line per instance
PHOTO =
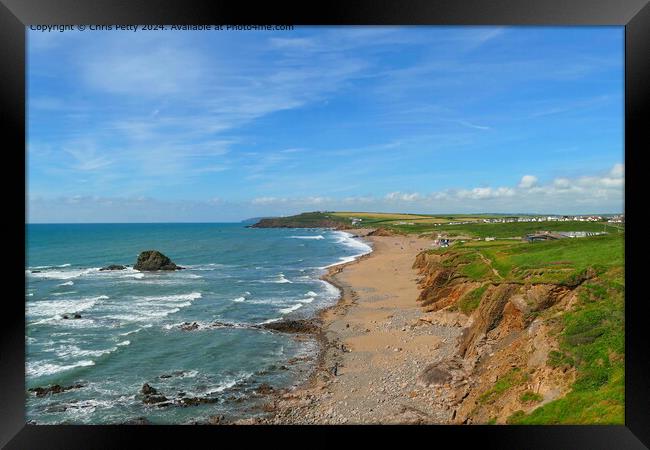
113,267
53,389
308,326
151,260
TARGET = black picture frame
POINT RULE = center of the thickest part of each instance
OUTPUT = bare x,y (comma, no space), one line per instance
633,14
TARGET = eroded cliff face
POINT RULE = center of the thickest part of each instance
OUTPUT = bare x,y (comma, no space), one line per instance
501,359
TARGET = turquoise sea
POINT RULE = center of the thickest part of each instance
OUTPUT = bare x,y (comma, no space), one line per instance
128,333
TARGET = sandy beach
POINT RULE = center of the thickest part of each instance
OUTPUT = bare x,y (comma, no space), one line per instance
375,343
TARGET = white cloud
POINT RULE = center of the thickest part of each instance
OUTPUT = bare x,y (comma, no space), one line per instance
618,171
528,181
161,70
297,201
562,183
581,195
403,196
86,157
473,125
588,193
268,200
292,43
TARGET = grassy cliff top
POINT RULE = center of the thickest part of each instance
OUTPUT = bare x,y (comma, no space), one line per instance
562,261
590,333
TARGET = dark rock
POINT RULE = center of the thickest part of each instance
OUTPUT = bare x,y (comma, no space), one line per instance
73,316
154,399
137,421
148,390
433,375
165,376
216,420
218,324
114,267
53,389
151,260
194,401
56,409
36,271
264,389
186,326
294,326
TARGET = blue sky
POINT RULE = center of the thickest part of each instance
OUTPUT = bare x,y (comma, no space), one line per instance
221,126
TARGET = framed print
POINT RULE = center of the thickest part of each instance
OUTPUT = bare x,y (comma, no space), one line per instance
361,217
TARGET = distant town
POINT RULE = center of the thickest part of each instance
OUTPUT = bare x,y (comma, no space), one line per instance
610,219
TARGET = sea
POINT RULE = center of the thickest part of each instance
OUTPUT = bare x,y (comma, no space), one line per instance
129,327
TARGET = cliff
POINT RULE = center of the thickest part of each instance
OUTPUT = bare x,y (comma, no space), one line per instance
536,343
305,220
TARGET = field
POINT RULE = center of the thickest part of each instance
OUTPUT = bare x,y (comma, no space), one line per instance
500,230
393,219
444,225
561,261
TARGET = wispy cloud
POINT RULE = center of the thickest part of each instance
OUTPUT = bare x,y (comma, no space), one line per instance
473,125
323,116
85,156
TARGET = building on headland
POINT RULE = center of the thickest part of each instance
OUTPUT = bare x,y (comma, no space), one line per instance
441,242
575,234
543,236
549,236
555,218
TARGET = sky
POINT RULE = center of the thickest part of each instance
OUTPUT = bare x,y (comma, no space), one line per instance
212,126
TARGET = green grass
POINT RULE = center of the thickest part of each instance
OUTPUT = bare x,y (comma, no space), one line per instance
427,223
513,378
564,261
530,397
476,270
504,230
590,335
592,341
559,359
471,300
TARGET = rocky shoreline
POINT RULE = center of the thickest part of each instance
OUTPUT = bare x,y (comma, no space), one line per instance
357,378
397,349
